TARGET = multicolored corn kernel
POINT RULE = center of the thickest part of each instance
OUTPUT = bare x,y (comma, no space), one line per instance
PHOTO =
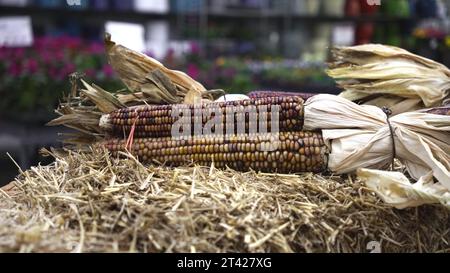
289,152
157,120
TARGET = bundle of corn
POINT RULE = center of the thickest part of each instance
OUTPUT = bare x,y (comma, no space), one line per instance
143,206
327,133
389,76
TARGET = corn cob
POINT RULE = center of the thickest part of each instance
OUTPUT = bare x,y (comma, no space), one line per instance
301,151
444,110
157,120
268,94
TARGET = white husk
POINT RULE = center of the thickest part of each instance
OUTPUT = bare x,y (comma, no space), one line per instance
422,140
232,97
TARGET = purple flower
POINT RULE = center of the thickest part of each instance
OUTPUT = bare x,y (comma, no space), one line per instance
149,53
195,48
59,56
15,69
229,73
96,48
90,72
46,57
193,71
19,53
31,66
70,42
4,52
53,73
68,69
107,70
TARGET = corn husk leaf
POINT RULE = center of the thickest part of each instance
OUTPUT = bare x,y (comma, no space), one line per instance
104,100
396,104
148,82
444,110
133,69
363,54
396,189
373,71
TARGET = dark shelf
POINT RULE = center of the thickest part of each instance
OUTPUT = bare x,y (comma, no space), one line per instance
377,19
134,16
128,16
246,14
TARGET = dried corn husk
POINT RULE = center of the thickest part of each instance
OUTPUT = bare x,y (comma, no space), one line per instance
359,137
147,78
368,72
396,189
148,81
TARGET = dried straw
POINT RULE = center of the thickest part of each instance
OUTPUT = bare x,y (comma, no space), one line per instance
90,202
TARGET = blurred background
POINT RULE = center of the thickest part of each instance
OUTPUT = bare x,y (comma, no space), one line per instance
235,45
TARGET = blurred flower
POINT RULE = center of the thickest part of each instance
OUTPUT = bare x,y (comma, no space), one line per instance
59,56
14,69
220,61
31,66
107,70
96,48
36,75
68,69
53,73
69,42
18,53
230,73
193,71
195,48
90,72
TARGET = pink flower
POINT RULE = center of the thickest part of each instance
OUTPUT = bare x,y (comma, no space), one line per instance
195,48
53,74
107,70
193,71
90,72
59,56
31,66
96,48
3,52
70,42
229,73
19,52
68,69
14,69
46,57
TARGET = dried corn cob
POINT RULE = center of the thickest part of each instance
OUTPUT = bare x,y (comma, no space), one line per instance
300,151
444,110
268,94
157,120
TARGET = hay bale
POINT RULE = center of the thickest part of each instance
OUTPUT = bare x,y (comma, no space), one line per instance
90,202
